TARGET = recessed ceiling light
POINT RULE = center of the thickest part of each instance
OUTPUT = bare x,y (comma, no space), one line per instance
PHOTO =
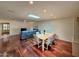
24,21
44,10
31,2
51,15
33,16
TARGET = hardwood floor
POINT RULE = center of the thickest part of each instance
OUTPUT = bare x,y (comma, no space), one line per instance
60,49
18,48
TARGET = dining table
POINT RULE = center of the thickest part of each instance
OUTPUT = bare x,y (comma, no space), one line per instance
43,37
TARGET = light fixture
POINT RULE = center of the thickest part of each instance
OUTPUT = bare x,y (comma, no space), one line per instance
51,15
24,21
31,2
33,16
44,10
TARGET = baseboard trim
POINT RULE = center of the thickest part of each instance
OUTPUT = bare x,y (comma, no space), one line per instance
75,42
64,40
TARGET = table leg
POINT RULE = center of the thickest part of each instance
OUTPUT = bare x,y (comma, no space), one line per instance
43,45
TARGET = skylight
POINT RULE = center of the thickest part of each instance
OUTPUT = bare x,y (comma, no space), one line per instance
33,16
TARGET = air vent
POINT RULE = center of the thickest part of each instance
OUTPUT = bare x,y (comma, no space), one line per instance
10,11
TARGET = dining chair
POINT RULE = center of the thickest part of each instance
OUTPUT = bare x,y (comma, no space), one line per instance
49,41
37,41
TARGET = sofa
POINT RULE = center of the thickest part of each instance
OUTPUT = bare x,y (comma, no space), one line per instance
26,34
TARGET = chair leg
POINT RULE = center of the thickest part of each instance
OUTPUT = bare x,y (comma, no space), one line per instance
38,45
47,46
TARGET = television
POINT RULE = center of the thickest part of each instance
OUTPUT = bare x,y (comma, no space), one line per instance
23,29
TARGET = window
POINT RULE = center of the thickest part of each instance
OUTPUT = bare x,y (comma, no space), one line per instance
5,28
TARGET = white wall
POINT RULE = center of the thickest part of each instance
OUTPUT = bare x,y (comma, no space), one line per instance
30,24
62,27
16,25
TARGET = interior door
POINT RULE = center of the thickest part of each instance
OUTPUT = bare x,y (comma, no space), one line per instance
75,44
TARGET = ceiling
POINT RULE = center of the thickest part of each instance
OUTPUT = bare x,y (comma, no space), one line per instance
19,10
